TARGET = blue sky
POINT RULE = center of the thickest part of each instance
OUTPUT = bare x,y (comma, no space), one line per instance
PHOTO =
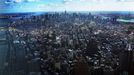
68,5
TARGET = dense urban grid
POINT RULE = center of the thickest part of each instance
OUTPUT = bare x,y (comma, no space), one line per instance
70,44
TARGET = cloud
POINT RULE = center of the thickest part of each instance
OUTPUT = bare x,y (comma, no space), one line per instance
74,5
88,6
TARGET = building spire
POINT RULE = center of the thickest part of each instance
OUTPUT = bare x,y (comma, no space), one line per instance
129,47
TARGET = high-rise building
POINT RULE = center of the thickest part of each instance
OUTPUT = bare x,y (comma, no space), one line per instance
126,61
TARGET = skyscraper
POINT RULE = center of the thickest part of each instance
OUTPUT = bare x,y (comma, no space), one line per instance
126,61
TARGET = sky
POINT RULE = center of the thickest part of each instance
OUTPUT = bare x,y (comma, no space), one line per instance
68,5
